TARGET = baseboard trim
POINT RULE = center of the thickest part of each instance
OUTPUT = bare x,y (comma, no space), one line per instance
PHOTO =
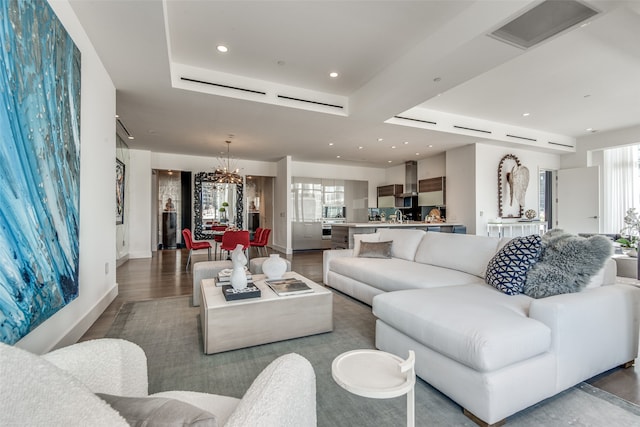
282,249
139,254
122,260
83,324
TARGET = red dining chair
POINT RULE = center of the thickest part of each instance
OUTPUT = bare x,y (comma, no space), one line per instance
256,238
262,241
191,245
230,239
217,238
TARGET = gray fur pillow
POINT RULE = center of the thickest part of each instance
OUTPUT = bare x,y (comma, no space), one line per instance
566,264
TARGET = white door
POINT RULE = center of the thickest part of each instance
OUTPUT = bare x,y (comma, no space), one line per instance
579,200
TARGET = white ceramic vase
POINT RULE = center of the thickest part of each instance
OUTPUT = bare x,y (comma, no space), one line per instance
238,275
274,267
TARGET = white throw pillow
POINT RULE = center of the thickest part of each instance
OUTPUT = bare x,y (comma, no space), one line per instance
357,238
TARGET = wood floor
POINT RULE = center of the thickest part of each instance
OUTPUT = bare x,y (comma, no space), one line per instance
164,276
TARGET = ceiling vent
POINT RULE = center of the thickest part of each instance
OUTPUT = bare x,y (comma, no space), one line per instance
542,22
186,79
290,98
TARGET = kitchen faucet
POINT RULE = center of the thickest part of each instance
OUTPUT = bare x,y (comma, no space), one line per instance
398,215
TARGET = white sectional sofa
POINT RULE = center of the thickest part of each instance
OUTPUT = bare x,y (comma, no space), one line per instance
494,354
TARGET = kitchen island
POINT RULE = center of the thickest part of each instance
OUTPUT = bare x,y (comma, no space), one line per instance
342,234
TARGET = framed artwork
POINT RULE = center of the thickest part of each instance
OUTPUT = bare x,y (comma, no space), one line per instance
120,192
40,158
513,180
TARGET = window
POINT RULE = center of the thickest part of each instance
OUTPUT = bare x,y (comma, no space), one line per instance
621,185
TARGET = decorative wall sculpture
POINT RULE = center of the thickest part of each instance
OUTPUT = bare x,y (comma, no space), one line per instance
40,173
513,180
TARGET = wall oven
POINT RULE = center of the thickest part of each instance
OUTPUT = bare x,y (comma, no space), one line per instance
326,226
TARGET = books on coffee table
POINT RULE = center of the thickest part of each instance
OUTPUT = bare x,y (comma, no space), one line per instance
230,294
290,286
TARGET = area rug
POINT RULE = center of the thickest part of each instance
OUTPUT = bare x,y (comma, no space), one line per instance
170,333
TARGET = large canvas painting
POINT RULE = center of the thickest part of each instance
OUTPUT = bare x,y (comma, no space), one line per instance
40,166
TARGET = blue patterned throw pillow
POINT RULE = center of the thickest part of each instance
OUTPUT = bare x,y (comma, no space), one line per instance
507,270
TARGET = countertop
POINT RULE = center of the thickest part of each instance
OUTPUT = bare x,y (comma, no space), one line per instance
396,224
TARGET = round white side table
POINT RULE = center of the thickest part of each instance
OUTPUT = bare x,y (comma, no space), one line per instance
378,375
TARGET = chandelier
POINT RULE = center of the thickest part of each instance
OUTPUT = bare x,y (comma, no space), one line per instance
225,174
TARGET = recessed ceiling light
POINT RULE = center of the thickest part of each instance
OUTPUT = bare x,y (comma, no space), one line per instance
130,137
393,146
430,146
388,161
417,154
222,48
360,147
526,114
337,157
331,143
589,129
333,74
380,139
406,142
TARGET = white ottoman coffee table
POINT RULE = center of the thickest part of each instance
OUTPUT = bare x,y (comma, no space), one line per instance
229,325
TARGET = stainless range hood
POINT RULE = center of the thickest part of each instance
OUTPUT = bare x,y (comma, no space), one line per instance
410,179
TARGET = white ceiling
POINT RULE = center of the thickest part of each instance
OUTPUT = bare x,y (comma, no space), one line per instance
419,59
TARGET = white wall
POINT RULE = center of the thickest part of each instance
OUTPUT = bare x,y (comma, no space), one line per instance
97,200
487,161
282,207
432,167
180,162
461,186
140,213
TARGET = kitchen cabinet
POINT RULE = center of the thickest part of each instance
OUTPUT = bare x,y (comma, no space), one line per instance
432,191
307,235
389,196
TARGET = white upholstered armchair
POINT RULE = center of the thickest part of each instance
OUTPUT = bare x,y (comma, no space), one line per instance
59,389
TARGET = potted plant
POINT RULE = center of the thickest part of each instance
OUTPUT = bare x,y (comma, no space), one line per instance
630,232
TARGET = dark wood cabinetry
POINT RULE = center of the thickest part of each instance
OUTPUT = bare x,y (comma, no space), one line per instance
432,191
390,190
431,184
389,196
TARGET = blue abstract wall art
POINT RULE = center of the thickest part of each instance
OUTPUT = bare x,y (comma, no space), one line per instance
40,166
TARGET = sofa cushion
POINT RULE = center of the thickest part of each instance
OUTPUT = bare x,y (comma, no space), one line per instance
507,270
476,325
405,241
397,274
567,263
159,411
462,252
375,250
358,238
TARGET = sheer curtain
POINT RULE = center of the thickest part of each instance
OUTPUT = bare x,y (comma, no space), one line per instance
621,185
